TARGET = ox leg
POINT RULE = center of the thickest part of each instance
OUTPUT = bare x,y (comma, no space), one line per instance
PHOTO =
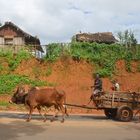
39,110
66,111
46,111
30,114
56,113
26,115
63,113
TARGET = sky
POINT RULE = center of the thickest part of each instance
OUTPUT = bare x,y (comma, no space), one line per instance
59,20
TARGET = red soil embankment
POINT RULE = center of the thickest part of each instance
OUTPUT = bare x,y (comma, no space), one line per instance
75,78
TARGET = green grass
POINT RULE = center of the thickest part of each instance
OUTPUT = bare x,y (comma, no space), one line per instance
4,103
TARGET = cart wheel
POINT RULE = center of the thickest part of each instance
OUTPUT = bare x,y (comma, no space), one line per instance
124,113
110,113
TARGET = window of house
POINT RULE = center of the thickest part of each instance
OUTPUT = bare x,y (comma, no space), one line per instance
8,41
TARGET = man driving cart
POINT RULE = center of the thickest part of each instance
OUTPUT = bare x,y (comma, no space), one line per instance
97,87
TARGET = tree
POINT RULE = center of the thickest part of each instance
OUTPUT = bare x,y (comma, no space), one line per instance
133,40
120,37
127,38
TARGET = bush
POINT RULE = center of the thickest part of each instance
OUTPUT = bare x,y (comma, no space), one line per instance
103,55
104,72
54,51
138,67
48,72
128,66
9,82
15,60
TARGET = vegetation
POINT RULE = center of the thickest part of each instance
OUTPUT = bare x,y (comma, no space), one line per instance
104,56
53,52
138,68
14,60
127,38
9,82
4,103
48,72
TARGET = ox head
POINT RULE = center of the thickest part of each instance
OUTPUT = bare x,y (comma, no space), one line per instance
19,96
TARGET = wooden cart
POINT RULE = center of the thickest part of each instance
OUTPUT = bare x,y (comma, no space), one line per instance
116,105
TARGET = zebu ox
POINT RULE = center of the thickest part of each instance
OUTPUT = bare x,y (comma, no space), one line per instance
37,98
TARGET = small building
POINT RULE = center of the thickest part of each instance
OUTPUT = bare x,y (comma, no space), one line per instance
12,35
105,37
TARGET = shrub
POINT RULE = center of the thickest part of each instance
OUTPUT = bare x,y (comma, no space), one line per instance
15,60
49,71
138,67
54,51
103,55
128,66
104,72
9,82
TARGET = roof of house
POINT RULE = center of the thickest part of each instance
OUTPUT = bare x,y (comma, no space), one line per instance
105,37
29,39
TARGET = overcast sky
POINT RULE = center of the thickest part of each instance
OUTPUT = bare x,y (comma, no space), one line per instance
59,20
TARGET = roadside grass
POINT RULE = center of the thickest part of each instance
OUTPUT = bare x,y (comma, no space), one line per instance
4,103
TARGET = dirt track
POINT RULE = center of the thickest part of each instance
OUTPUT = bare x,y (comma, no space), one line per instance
97,127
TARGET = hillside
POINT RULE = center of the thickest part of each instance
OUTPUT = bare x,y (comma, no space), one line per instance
70,68
76,77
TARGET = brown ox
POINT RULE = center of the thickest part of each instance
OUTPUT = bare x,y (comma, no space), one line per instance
37,98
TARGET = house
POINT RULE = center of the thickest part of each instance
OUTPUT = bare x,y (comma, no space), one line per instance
12,35
105,37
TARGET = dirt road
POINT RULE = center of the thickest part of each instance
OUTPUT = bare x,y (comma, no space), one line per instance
91,127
